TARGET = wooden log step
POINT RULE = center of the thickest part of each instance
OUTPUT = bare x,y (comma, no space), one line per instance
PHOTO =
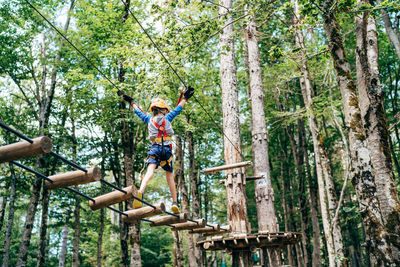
223,230
167,220
200,223
228,167
211,228
113,198
137,214
41,145
74,178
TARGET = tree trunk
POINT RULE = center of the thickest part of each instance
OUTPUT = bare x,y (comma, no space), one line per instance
313,200
178,255
235,182
29,219
43,227
63,253
77,230
180,181
264,192
102,211
286,213
7,238
194,188
116,169
391,33
362,172
374,119
45,104
2,211
325,180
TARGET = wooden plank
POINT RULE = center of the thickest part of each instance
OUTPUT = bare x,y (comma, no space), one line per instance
228,167
167,220
250,242
41,145
113,198
223,230
137,214
74,178
200,223
211,228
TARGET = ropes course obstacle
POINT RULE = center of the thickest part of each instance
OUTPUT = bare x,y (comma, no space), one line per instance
240,241
120,195
177,222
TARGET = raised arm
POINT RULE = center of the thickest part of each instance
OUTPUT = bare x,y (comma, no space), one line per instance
188,94
143,116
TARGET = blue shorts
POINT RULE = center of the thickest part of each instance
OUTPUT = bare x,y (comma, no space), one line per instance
156,151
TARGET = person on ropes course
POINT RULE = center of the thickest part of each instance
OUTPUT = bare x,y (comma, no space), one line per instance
160,134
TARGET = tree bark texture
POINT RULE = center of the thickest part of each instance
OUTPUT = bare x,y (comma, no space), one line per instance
128,152
180,177
116,169
178,252
8,231
77,231
45,100
2,211
391,33
235,185
362,175
43,227
267,220
313,200
29,219
102,211
374,119
63,253
337,259
194,189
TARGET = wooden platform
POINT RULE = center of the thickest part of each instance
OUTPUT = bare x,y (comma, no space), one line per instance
250,241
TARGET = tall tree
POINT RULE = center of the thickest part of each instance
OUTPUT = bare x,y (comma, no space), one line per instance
326,186
235,181
44,98
267,221
374,120
392,33
6,255
362,174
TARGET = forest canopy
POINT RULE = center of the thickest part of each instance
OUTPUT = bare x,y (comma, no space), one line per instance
315,104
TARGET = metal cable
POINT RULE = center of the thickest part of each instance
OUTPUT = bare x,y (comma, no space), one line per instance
15,132
109,80
79,51
179,77
68,161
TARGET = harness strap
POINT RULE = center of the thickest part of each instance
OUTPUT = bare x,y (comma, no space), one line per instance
164,162
158,139
162,134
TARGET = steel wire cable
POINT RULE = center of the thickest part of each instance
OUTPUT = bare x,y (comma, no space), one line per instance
179,77
109,80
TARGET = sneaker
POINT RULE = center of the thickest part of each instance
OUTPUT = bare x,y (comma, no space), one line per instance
175,208
136,203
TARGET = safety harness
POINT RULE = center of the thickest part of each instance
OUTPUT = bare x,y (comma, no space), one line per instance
161,137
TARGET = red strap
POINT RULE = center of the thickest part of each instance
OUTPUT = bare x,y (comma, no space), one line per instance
160,130
179,100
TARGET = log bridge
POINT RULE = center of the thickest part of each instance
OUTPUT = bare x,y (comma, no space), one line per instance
249,241
40,145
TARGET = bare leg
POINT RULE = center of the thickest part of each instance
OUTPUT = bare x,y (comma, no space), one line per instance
171,184
149,174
